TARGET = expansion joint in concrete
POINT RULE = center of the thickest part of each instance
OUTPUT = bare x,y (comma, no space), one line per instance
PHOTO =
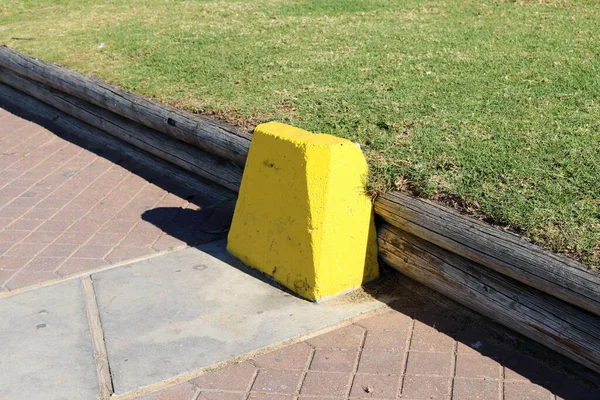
100,354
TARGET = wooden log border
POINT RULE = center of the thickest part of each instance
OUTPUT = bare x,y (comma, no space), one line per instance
493,248
213,136
188,157
551,299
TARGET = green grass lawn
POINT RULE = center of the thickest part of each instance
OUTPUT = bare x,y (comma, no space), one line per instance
493,106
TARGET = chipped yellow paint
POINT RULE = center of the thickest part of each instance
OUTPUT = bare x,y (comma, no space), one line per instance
302,215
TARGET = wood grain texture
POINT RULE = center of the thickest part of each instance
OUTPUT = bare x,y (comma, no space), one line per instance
213,136
98,140
554,323
493,248
186,156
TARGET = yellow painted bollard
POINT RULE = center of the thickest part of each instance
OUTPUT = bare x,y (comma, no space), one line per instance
302,215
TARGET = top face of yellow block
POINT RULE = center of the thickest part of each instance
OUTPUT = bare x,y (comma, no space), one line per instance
297,135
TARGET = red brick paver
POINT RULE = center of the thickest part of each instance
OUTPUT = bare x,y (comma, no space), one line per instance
420,362
65,210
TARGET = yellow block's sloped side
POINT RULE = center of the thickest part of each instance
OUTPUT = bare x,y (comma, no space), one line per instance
349,241
302,215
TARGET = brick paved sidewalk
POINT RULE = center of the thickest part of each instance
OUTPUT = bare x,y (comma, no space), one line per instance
66,210
432,356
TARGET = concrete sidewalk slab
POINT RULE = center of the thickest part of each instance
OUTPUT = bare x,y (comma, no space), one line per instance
45,345
197,307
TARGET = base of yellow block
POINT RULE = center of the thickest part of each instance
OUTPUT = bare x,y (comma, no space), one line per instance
302,215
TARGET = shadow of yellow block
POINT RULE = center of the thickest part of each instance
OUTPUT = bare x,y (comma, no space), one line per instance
302,215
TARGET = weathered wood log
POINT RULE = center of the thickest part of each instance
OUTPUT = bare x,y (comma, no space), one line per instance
554,323
500,251
216,137
100,141
177,152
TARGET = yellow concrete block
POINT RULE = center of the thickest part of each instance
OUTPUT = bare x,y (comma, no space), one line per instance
302,215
